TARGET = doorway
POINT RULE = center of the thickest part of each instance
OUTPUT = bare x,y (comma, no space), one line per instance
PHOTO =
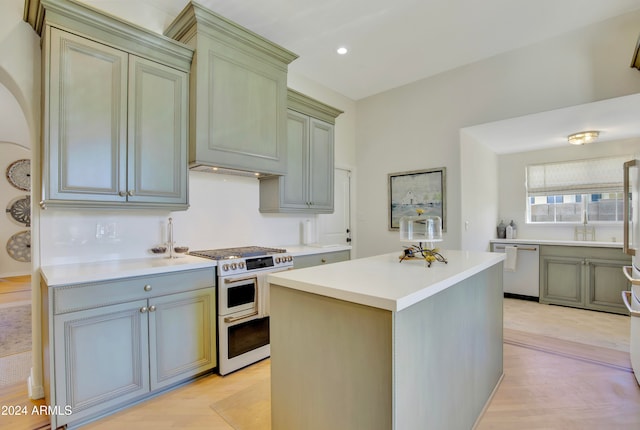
335,228
15,238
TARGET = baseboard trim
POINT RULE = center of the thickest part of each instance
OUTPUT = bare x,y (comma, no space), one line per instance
35,391
521,297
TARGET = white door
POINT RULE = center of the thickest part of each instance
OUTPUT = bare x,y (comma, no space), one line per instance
335,228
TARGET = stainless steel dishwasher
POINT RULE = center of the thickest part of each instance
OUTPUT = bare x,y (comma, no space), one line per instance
524,280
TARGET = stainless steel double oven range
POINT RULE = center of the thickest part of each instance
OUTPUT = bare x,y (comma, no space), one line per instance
243,302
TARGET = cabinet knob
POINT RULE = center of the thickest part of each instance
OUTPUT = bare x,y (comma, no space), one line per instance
122,193
323,260
43,205
152,308
130,192
143,309
147,287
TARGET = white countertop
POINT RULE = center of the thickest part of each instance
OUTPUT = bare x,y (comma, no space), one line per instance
560,242
66,274
384,282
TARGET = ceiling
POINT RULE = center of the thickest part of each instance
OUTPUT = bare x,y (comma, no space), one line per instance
391,43
615,119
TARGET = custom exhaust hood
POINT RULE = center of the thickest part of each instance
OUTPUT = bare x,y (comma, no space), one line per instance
238,95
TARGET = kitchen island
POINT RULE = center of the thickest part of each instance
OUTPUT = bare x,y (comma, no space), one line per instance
373,343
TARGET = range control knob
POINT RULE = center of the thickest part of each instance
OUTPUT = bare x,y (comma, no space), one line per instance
234,266
241,264
289,259
225,267
277,260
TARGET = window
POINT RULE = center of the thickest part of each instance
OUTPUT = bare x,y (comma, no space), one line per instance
575,191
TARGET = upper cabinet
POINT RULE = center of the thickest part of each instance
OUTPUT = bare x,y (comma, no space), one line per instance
238,94
308,185
115,112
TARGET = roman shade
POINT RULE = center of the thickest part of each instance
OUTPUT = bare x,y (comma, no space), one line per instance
591,176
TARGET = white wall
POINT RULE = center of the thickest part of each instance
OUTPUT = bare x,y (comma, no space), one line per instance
479,185
417,126
20,61
512,194
19,112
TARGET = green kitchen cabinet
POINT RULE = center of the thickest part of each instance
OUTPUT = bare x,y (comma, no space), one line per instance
115,113
310,260
308,185
111,343
238,94
583,277
101,359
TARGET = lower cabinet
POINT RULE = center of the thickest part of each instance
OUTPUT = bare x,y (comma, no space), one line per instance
110,355
101,359
310,260
583,277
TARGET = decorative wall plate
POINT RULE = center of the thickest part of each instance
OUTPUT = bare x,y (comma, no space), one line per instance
19,210
19,174
19,246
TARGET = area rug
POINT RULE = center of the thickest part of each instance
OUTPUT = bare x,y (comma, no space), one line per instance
15,329
249,409
578,351
15,369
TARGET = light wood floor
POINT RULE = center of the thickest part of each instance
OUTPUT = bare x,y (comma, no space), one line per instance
16,289
543,387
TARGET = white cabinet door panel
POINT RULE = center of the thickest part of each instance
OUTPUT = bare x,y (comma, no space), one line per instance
182,336
157,144
321,165
88,118
102,356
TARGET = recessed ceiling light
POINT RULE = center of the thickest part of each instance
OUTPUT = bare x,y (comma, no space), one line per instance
342,50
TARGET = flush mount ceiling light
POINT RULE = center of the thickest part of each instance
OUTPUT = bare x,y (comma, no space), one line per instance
583,137
342,50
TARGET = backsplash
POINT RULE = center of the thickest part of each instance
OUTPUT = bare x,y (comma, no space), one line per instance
223,213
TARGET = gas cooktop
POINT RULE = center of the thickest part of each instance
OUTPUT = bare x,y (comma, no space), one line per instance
241,252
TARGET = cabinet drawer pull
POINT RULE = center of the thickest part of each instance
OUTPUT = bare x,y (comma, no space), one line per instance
143,309
147,287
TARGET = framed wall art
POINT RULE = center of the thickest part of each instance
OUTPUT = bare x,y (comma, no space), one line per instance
418,189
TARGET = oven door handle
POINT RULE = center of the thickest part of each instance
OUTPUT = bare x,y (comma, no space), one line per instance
229,320
246,278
